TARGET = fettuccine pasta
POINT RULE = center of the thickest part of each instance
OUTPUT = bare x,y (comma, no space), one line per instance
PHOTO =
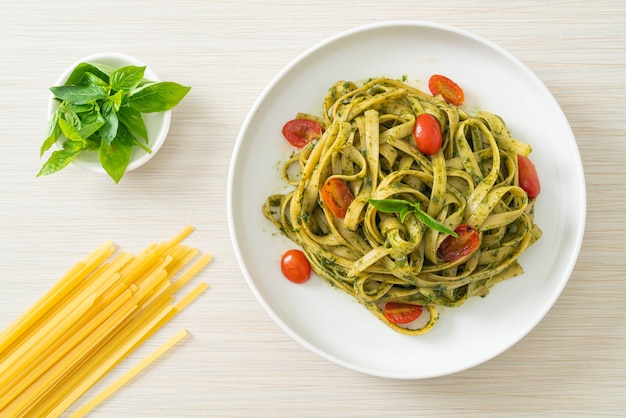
367,142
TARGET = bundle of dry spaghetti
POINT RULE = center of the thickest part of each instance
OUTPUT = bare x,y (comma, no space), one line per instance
101,310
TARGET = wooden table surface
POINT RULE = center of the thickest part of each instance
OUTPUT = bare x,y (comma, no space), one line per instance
238,362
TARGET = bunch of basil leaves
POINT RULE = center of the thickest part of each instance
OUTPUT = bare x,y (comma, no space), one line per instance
100,111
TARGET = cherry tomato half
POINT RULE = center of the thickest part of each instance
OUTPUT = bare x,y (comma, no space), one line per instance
295,266
402,313
427,134
528,178
451,92
336,196
452,249
300,132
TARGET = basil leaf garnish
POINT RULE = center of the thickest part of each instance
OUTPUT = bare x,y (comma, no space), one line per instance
404,207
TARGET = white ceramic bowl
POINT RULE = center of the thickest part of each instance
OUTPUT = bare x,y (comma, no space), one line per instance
157,124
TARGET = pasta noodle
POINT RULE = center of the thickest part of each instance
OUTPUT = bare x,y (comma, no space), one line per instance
130,374
367,142
90,320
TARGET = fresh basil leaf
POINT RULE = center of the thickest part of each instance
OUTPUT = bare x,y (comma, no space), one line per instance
77,77
69,130
132,119
106,69
430,222
405,211
69,115
73,146
115,155
79,108
126,78
109,129
144,83
90,124
404,207
78,94
94,80
61,158
53,132
93,116
158,97
389,205
93,142
116,99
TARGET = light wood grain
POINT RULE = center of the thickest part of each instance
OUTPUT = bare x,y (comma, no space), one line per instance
237,361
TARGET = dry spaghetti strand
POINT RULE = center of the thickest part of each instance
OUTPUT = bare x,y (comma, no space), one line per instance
98,313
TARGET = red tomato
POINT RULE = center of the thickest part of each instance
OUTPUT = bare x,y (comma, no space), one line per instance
402,313
451,92
300,132
427,134
452,249
295,266
336,196
528,178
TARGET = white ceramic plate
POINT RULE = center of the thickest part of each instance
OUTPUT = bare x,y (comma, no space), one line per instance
332,324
